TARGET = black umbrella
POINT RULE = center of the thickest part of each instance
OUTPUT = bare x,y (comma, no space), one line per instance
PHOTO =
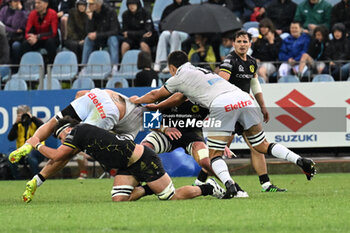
203,18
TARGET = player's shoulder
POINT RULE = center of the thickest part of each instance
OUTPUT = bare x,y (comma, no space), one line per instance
251,59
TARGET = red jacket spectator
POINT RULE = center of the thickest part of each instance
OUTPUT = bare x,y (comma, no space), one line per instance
47,28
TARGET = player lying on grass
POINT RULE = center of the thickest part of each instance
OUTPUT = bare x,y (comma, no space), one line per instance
227,104
106,109
135,163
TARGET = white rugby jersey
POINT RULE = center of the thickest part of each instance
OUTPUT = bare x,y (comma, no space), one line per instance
198,85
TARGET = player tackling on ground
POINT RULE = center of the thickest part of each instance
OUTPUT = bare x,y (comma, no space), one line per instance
226,103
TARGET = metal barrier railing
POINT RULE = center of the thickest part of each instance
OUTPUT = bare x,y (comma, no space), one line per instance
69,72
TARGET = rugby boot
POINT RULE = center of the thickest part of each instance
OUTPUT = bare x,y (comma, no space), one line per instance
308,167
273,188
231,190
240,192
218,191
16,155
30,190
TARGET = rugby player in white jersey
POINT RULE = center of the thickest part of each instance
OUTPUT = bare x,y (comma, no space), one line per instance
228,105
106,109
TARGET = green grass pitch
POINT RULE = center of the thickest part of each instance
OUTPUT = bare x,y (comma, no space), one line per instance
320,205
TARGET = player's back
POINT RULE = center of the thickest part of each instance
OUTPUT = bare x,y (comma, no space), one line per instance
198,84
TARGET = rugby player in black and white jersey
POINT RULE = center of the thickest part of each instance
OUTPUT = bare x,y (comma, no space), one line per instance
135,163
227,104
240,69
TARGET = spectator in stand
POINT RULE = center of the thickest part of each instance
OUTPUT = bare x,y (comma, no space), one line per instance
62,8
266,49
41,30
337,52
225,3
138,28
172,39
281,13
293,46
145,77
341,14
21,131
255,9
312,13
14,18
4,51
29,5
226,45
103,28
316,52
76,32
202,52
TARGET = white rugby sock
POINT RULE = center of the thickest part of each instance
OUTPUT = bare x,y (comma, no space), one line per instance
38,181
220,169
283,152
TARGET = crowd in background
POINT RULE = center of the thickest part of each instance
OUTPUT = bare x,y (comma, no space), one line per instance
311,37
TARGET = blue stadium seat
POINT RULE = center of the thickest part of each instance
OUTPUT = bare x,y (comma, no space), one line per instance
98,66
250,24
16,85
55,84
128,67
65,66
83,83
123,8
323,78
30,67
288,79
197,1
111,82
157,11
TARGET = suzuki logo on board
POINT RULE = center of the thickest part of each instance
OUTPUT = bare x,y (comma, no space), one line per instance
300,117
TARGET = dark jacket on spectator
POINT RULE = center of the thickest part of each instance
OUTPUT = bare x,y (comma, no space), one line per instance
281,14
76,25
4,47
13,20
264,51
104,23
341,14
61,5
46,29
225,3
317,50
137,24
294,47
170,9
338,49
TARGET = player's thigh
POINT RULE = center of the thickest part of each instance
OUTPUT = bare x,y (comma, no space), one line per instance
159,185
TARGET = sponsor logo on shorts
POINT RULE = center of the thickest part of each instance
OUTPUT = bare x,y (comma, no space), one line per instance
238,105
299,117
97,104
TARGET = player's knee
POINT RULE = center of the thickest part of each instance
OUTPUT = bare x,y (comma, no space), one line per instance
205,163
121,192
167,193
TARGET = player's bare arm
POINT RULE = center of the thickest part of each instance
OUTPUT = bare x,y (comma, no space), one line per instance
173,101
81,93
256,89
61,153
151,97
224,75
